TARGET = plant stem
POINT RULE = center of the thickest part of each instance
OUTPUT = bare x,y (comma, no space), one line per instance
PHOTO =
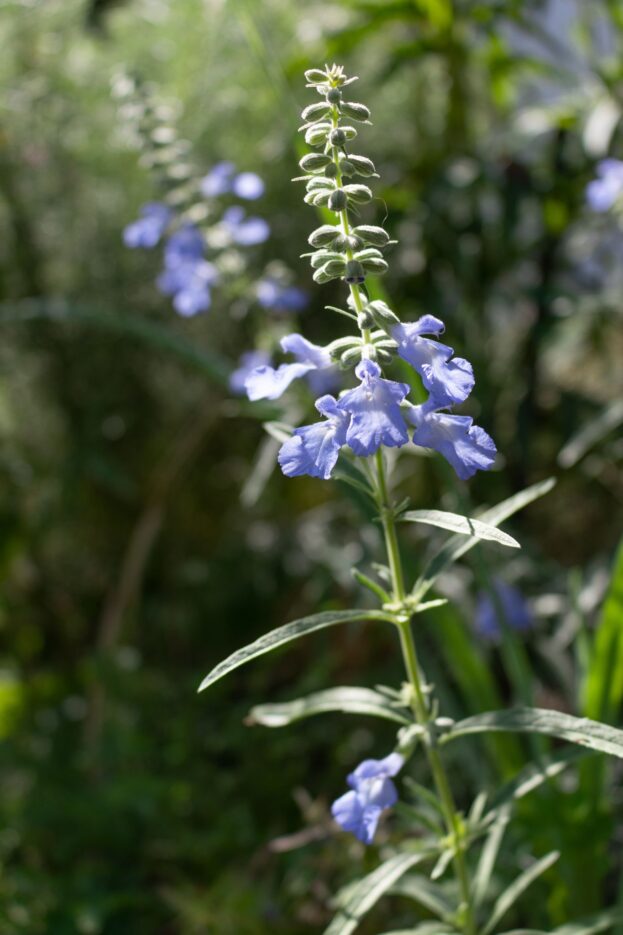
419,704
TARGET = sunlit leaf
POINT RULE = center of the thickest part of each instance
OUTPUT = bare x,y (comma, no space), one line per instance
462,525
512,893
349,700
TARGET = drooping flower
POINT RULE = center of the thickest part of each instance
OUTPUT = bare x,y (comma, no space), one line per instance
278,298
372,791
314,449
449,381
249,361
466,446
507,603
270,383
149,228
374,405
606,189
242,230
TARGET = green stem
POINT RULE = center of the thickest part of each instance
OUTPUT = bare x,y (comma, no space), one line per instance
419,704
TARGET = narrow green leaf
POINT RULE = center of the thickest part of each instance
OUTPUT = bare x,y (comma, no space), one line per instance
278,430
517,888
291,631
488,856
442,865
589,434
458,546
586,733
369,890
603,690
462,525
349,700
424,892
533,776
425,928
592,925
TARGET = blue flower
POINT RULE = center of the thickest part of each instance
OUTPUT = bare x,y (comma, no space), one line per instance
605,190
187,276
448,381
270,383
508,600
372,791
218,181
272,295
314,449
244,231
375,410
147,231
466,446
248,362
185,244
248,185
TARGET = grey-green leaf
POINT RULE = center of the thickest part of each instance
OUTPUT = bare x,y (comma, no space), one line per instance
462,525
586,733
592,925
347,699
291,631
512,893
424,892
369,890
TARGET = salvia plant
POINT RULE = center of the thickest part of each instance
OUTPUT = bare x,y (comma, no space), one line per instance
447,862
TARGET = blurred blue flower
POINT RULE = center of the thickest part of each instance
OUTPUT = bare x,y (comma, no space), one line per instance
249,361
245,231
218,181
314,449
509,600
269,383
248,185
448,381
466,446
149,228
375,410
272,295
372,791
187,276
605,190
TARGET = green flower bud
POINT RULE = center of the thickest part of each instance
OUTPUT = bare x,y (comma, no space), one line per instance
317,182
334,95
324,256
316,135
316,76
336,348
331,171
324,236
358,194
338,200
375,265
365,319
354,272
331,270
372,235
337,137
315,112
368,253
346,167
355,111
383,356
315,162
382,314
362,166
344,242
162,136
350,357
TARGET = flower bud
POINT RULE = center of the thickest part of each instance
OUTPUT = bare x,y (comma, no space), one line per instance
382,314
359,194
355,111
372,235
324,236
338,200
350,357
336,348
344,242
315,111
334,95
383,356
354,272
337,137
362,166
321,257
375,265
315,162
316,135
365,320
315,76
331,170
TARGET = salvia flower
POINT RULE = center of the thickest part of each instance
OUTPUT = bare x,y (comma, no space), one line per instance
223,180
604,191
270,383
271,294
187,275
314,449
249,361
466,446
147,231
449,380
242,230
506,602
376,417
372,792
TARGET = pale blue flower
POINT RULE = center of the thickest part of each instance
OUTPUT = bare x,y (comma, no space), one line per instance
249,361
449,381
509,604
607,188
372,791
187,276
218,181
245,231
466,446
375,410
278,298
314,449
269,383
149,228
248,185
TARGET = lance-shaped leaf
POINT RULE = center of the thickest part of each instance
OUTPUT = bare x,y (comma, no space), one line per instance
462,525
512,893
592,925
291,631
426,893
458,546
586,733
425,928
488,855
350,700
366,893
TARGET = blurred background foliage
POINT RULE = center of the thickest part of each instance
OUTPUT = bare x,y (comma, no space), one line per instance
130,564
